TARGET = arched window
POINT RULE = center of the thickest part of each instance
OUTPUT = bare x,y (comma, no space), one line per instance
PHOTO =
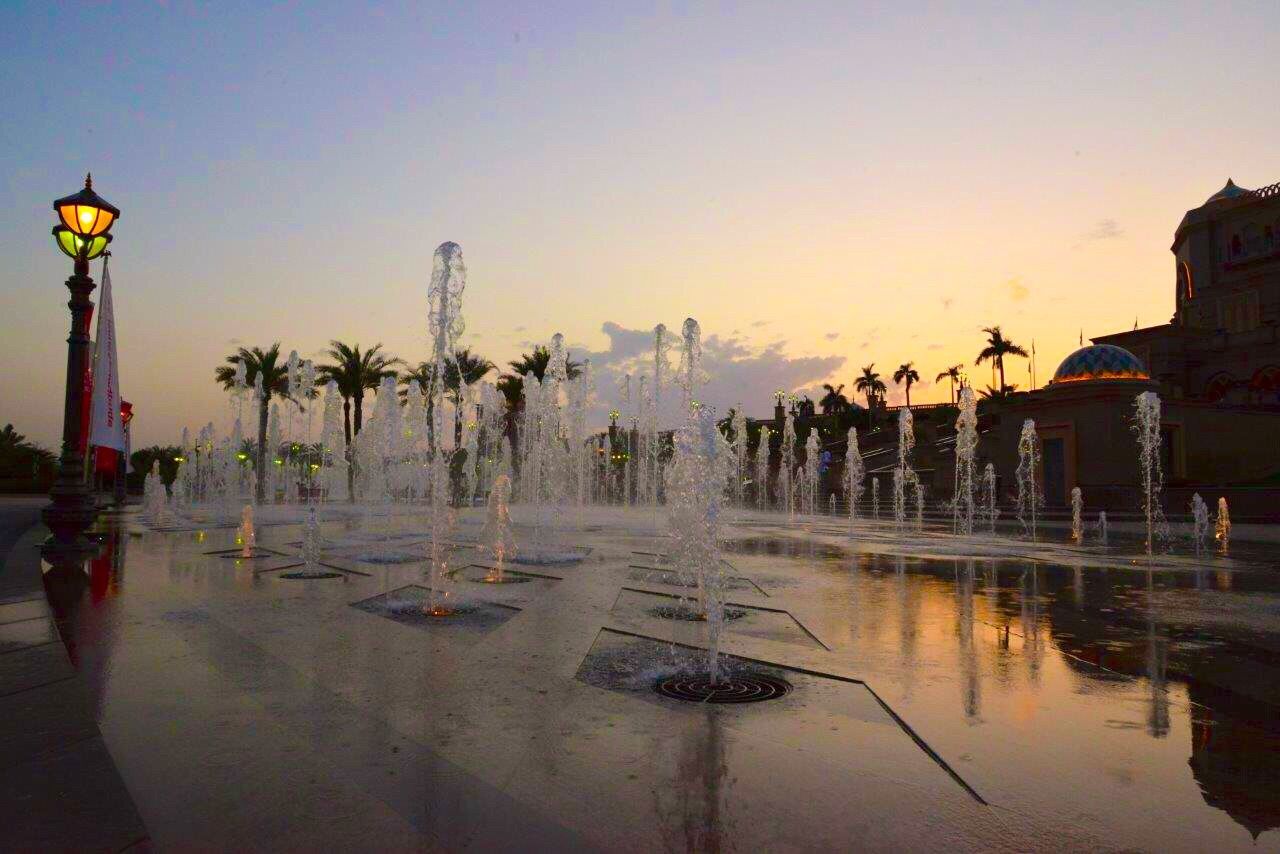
1218,387
1236,246
1186,287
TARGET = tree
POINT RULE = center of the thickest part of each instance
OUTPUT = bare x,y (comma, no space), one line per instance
355,372
21,459
537,361
997,348
834,402
907,373
991,396
467,366
870,384
512,384
275,381
953,374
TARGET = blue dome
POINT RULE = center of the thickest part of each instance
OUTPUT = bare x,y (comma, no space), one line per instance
1100,362
1230,191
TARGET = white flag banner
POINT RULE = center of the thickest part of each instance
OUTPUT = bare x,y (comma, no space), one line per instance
107,430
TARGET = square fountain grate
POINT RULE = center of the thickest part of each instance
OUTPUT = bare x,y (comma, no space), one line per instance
471,616
641,607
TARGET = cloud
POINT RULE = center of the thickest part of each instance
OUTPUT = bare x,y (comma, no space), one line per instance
934,347
518,329
947,302
234,342
831,336
759,323
1017,290
736,371
1106,229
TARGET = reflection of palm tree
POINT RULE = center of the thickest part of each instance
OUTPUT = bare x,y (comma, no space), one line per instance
953,374
834,402
997,348
907,373
355,371
275,381
870,384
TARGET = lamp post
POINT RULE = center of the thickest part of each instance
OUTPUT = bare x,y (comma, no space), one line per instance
122,461
83,235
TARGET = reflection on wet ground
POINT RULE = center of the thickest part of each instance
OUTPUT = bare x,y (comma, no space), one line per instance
1093,700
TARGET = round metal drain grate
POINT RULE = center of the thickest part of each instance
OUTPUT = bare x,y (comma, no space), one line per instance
741,688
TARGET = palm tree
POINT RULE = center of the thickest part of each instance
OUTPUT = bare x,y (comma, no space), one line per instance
469,367
834,402
275,381
870,384
354,372
512,384
907,373
997,348
537,362
994,396
953,374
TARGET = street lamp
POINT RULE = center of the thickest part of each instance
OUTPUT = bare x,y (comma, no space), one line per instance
83,235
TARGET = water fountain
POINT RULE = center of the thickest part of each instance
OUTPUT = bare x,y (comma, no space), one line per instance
153,495
963,509
1146,423
787,470
875,499
811,476
1102,527
1222,526
762,468
698,474
854,472
1077,509
738,425
1029,498
497,535
1200,525
245,535
903,475
448,281
990,512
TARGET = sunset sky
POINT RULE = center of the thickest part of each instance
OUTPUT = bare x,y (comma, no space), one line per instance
833,186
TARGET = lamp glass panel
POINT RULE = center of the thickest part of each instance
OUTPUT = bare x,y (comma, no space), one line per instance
104,221
96,246
67,242
68,215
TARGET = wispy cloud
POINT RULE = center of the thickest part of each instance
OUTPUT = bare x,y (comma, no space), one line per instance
831,336
1017,290
1106,229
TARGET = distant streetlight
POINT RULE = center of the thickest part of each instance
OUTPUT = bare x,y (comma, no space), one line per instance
83,235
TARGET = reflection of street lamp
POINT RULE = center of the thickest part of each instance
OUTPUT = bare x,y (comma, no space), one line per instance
83,235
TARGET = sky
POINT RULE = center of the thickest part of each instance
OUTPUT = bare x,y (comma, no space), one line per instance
822,187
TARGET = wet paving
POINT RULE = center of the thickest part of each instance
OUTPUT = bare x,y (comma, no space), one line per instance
1054,698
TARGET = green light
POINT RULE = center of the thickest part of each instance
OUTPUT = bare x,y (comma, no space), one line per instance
74,246
279,461
242,456
179,459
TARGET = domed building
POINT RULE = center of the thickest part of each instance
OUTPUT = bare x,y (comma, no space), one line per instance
1215,365
1100,362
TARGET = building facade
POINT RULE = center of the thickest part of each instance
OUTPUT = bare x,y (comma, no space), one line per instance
1222,344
